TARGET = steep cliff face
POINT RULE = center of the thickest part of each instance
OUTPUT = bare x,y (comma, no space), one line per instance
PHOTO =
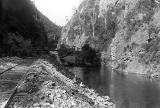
85,26
135,47
125,31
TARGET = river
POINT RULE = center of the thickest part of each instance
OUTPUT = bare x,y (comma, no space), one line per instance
125,90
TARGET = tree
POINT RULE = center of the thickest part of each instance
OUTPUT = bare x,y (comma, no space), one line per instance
1,10
31,28
152,29
93,21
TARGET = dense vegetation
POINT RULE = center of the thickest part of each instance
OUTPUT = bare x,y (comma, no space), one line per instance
22,27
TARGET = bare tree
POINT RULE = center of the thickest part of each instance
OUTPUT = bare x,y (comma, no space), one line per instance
93,17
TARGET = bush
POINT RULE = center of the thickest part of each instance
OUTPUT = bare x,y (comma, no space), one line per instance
152,51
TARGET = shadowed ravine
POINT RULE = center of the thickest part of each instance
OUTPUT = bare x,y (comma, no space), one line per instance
125,90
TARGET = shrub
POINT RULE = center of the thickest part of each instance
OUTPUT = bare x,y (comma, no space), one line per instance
152,51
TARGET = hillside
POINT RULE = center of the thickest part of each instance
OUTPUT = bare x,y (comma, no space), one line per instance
125,31
22,27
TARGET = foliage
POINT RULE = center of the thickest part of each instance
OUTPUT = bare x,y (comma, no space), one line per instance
86,47
122,65
22,22
147,7
53,30
152,50
89,55
64,50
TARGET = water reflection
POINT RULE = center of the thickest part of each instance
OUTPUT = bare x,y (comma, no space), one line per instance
126,91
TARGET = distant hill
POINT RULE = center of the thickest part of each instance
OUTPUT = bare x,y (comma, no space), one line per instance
22,26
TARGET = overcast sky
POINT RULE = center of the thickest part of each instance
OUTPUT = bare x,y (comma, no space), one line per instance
57,10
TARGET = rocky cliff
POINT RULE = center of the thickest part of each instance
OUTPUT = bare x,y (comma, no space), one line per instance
125,31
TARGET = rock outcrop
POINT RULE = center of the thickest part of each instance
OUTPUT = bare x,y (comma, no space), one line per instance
125,31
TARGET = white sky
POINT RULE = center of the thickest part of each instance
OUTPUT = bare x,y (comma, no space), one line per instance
57,10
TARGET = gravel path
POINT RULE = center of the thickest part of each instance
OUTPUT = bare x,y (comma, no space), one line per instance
46,86
10,78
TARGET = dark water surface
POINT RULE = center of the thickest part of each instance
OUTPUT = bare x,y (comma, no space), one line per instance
125,90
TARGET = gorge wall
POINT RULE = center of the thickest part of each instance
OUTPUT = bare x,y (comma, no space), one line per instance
126,32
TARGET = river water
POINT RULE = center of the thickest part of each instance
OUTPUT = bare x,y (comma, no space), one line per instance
125,90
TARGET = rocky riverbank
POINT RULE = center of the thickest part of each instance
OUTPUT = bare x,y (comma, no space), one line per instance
50,85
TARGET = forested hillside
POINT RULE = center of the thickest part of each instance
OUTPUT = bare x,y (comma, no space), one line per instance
22,27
